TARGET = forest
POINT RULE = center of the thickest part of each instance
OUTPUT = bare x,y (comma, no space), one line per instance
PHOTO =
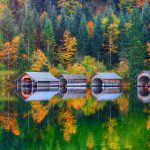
74,36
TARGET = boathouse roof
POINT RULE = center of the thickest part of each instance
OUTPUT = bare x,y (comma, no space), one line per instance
41,76
73,76
108,75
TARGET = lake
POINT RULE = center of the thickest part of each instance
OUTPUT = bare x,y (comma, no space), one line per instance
75,119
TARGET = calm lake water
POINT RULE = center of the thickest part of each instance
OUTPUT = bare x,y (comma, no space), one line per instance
75,119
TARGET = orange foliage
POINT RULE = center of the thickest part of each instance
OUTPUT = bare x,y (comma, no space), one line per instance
43,15
2,8
69,125
9,123
9,51
38,111
123,104
140,3
76,103
90,26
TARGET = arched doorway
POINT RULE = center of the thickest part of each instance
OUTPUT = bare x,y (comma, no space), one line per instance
144,80
63,82
97,82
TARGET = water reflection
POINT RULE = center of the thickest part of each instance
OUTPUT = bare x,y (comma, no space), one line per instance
72,92
144,94
74,119
40,94
106,93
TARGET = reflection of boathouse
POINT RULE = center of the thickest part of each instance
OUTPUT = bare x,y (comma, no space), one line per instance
106,93
38,79
70,93
106,79
144,94
29,94
143,79
67,80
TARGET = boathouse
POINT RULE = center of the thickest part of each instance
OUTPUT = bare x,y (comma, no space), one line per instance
106,79
37,79
143,79
66,80
106,93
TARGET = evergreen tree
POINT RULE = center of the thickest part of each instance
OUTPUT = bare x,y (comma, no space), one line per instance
53,17
135,45
146,14
49,36
29,31
83,37
62,24
8,26
88,13
22,63
76,21
96,41
38,29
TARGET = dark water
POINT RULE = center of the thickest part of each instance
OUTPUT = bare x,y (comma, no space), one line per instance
75,119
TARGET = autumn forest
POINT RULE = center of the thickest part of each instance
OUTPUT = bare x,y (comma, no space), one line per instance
77,36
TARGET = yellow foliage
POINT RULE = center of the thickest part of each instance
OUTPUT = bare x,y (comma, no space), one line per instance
54,71
76,68
39,59
2,8
123,104
9,51
68,49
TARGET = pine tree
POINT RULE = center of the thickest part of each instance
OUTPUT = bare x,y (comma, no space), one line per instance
62,24
88,13
96,41
29,31
76,21
146,14
53,17
83,38
22,63
49,36
136,46
8,26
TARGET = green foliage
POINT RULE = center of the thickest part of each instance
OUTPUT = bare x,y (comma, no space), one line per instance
7,26
83,37
29,31
96,41
48,35
135,46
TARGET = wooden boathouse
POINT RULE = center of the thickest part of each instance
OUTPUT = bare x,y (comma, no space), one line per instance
108,79
143,79
37,79
66,80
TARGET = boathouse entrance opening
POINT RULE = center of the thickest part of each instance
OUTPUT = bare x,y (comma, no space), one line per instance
144,80
63,82
97,82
